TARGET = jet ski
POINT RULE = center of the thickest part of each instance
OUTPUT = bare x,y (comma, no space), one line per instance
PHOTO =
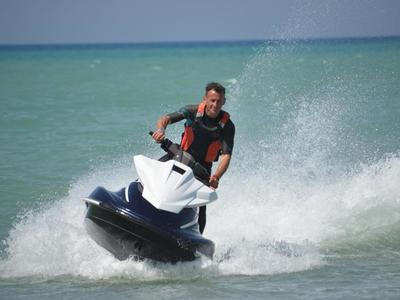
156,216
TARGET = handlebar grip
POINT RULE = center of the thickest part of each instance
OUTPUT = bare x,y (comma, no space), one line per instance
151,133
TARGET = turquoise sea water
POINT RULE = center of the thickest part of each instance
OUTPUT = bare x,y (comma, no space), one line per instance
309,209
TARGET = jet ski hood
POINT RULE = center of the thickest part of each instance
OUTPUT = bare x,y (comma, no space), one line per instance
171,185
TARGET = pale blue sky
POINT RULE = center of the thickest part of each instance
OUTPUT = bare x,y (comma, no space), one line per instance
101,21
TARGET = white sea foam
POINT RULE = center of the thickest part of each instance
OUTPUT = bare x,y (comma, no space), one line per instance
261,225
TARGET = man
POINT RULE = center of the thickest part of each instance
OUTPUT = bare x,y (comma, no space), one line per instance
208,136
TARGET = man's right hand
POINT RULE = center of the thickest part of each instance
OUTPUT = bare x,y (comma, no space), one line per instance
159,135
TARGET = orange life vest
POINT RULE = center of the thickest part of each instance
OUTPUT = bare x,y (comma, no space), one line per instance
211,136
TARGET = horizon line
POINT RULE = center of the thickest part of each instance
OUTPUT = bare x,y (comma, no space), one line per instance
193,42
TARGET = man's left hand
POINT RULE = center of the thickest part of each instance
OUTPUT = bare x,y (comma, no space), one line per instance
214,180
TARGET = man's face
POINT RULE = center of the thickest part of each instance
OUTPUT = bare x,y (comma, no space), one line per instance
214,102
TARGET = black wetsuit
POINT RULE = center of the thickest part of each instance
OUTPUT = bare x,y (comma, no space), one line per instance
189,112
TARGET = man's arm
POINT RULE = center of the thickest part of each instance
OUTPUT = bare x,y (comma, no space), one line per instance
171,118
221,169
163,122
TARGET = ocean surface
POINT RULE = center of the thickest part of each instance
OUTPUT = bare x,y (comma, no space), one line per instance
309,208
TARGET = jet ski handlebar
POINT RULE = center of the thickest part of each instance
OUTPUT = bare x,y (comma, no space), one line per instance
176,153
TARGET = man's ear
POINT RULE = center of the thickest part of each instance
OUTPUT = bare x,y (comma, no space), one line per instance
204,99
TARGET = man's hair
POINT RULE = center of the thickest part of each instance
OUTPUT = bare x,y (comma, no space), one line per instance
216,87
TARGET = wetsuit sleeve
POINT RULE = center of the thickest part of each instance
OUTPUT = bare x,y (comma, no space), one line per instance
187,112
229,137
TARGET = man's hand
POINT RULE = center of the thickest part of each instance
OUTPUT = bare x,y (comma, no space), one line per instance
214,180
222,167
159,135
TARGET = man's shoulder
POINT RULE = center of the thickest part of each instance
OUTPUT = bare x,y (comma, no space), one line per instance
229,127
185,112
189,109
229,122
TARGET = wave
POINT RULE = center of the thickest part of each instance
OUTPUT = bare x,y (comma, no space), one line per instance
259,227
51,241
362,207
